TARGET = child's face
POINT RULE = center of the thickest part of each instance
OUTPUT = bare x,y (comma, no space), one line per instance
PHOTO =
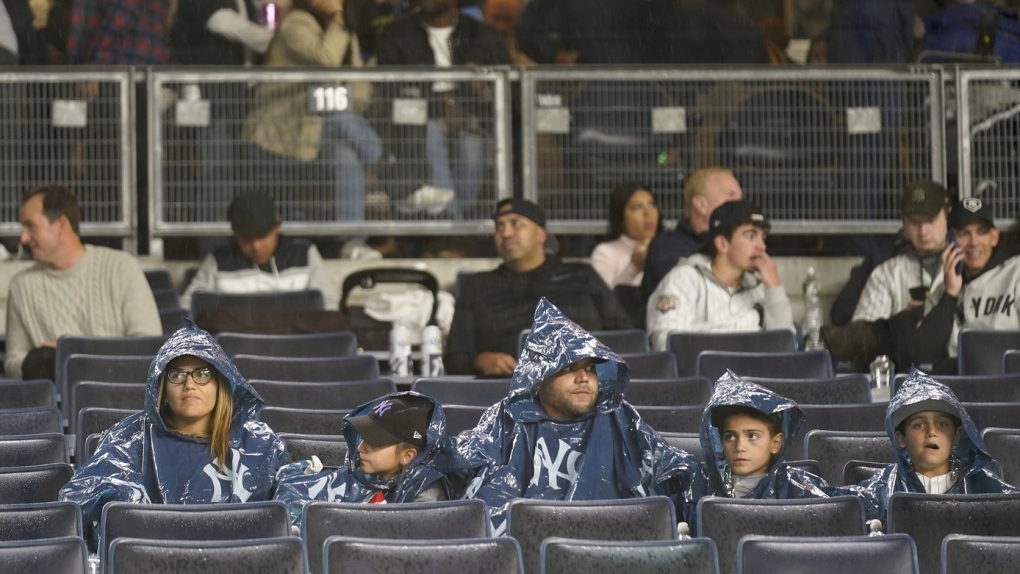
929,437
384,461
748,445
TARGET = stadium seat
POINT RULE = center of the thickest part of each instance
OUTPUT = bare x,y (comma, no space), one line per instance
857,471
1004,388
691,391
331,449
64,555
964,554
311,300
727,520
868,417
195,522
35,420
30,484
159,279
623,341
308,370
673,419
836,555
450,520
651,365
122,396
282,555
929,518
343,555
95,420
811,365
1004,446
17,394
343,395
304,421
833,449
39,520
463,391
33,449
563,555
460,418
841,390
531,522
1011,361
980,351
337,344
686,441
687,346
103,369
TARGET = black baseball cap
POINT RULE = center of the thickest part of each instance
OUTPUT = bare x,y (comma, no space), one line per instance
252,215
733,214
393,420
923,197
969,210
521,207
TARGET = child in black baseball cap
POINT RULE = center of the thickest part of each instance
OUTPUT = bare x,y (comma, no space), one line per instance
391,445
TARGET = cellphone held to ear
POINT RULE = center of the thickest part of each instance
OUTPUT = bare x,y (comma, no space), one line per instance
952,241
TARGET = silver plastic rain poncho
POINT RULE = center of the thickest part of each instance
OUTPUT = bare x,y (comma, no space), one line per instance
609,453
782,481
140,460
976,470
350,484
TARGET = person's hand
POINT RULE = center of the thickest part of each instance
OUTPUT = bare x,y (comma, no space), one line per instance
50,344
952,280
640,254
566,57
766,266
819,52
495,364
314,465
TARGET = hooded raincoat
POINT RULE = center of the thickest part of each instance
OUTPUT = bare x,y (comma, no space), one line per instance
782,481
609,453
350,484
977,473
140,460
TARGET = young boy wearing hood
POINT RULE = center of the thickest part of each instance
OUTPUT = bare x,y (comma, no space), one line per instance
744,434
198,440
564,431
391,445
938,448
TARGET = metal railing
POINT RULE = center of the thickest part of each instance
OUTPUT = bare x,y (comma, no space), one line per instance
343,152
71,127
822,150
988,127
819,149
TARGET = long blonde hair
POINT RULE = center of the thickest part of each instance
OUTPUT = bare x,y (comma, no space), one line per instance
223,412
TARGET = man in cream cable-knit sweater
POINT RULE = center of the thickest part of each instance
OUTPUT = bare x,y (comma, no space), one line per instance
73,289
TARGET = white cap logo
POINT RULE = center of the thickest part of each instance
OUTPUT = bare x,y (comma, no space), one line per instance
417,435
972,204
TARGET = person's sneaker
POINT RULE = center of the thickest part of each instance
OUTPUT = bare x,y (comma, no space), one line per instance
427,198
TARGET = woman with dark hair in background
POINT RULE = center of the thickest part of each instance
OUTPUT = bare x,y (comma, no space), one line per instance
633,222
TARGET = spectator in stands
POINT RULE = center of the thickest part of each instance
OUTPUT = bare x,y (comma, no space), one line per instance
217,33
503,16
285,130
970,28
633,222
733,286
753,425
910,280
73,289
868,32
938,448
434,34
984,296
707,189
119,33
260,259
494,306
20,42
564,431
390,443
199,439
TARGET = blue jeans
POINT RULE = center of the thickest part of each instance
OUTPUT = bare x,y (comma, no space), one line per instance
350,143
464,173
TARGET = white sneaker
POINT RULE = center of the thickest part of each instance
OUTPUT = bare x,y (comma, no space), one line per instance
427,198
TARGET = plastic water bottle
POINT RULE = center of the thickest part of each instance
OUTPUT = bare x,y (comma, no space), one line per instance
432,352
812,312
881,372
400,351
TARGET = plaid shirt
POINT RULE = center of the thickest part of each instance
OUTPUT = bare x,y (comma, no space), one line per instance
119,32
